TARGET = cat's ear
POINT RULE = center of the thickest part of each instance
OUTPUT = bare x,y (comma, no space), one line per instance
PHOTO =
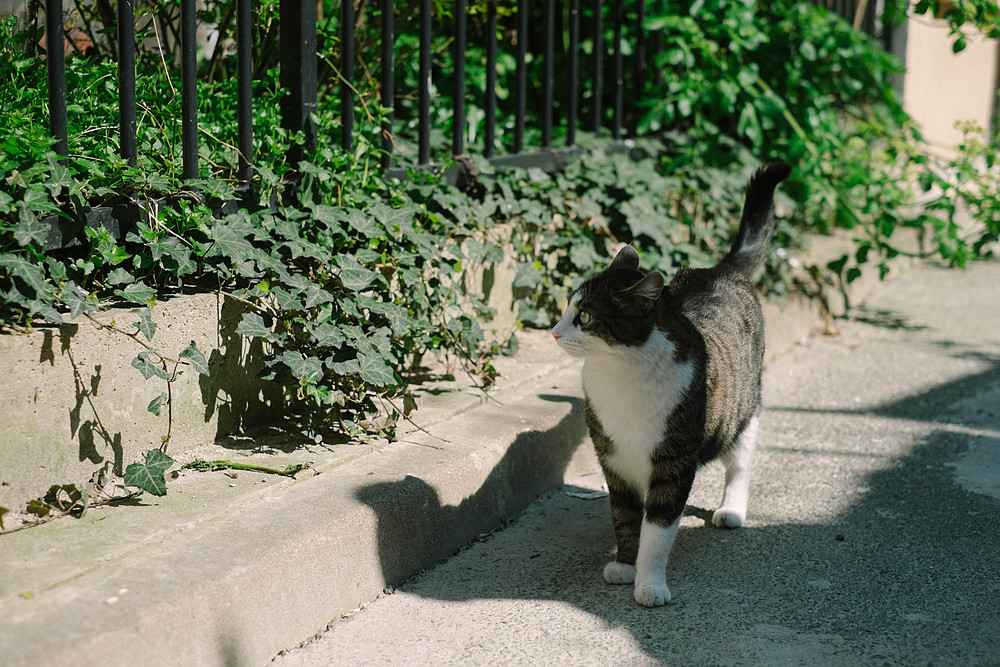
627,258
648,289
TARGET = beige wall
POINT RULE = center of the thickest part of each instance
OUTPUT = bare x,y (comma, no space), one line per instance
940,87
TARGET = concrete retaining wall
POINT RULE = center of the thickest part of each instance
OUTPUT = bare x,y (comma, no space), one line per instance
70,400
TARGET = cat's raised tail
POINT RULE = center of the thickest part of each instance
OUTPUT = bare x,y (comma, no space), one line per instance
752,241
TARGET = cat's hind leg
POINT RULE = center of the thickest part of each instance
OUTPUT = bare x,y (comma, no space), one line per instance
733,510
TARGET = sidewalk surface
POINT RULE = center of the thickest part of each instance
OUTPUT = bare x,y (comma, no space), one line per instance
873,534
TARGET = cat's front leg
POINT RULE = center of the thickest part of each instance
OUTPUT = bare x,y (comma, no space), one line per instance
651,565
626,515
668,492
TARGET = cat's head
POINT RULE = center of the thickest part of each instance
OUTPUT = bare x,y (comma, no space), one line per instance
613,309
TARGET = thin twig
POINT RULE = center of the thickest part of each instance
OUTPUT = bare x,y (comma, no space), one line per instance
159,48
413,423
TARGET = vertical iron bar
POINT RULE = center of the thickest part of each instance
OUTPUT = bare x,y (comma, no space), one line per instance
424,149
297,27
574,71
458,118
598,64
387,85
126,82
347,75
638,66
550,38
657,46
521,90
489,132
55,56
189,91
244,91
619,64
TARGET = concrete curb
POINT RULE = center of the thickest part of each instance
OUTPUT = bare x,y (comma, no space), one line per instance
200,579
232,571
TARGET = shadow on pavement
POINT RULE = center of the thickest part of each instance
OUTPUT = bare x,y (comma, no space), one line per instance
533,464
907,573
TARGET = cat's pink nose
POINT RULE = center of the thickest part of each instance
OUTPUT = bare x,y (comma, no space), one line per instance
556,335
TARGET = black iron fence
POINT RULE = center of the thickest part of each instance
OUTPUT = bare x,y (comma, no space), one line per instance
864,15
298,60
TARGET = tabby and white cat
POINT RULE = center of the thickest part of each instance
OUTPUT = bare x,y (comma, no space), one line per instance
672,381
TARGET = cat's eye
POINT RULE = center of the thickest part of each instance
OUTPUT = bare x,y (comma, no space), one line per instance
585,318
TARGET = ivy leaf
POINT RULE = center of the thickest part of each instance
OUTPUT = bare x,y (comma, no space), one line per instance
138,292
76,299
301,367
45,311
398,317
353,276
148,476
285,299
394,220
344,367
157,403
643,219
145,324
31,274
120,277
38,200
583,255
328,335
316,295
363,223
147,368
29,229
375,371
196,358
367,256
230,243
38,507
252,326
528,275
329,216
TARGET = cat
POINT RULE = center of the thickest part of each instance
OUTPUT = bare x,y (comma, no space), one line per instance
672,380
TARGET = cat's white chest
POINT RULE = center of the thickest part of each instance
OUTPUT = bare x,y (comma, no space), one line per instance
633,392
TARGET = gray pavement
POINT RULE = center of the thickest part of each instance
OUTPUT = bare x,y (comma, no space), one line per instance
872,535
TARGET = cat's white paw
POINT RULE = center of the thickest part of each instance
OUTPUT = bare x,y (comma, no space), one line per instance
728,518
652,595
619,573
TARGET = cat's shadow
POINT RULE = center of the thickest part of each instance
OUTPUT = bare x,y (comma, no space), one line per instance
534,463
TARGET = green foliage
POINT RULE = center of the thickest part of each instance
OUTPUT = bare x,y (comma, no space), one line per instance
148,475
59,500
